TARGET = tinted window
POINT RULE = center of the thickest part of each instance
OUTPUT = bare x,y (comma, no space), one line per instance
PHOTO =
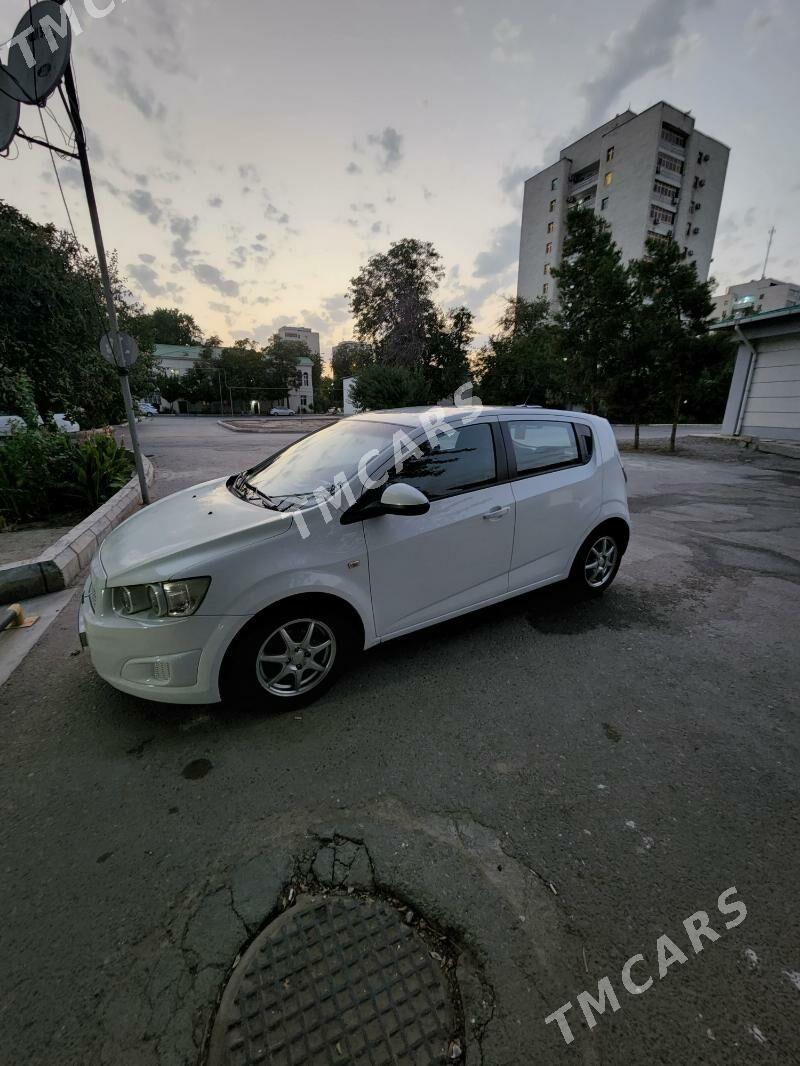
585,435
538,445
464,459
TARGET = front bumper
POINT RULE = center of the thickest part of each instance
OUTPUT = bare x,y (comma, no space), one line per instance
170,660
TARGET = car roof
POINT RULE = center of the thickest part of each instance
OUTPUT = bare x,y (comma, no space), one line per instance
412,416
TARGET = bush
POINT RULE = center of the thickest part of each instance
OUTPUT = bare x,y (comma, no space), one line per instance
44,473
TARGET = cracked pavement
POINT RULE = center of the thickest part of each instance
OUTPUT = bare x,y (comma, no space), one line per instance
555,785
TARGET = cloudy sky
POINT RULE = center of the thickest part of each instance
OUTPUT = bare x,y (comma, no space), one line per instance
251,155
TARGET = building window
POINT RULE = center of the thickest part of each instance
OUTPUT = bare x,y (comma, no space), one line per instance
545,288
554,184
661,216
550,227
610,154
673,136
609,177
667,162
604,203
651,233
548,248
305,378
547,268
661,188
552,205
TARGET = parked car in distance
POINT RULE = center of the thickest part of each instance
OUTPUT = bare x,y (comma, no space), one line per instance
260,586
146,409
9,423
281,412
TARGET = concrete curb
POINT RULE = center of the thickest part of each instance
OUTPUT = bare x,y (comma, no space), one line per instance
280,428
59,566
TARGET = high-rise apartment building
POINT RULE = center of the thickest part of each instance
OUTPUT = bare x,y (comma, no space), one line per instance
648,175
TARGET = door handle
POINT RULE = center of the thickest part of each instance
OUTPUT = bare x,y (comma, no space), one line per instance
496,512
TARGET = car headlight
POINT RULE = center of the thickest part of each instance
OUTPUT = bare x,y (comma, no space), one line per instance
165,599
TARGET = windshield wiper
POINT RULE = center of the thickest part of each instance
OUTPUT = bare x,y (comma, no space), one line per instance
241,486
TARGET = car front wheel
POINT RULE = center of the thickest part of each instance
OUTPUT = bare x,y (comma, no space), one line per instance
287,658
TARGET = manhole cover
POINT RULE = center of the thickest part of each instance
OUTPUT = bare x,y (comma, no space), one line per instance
334,980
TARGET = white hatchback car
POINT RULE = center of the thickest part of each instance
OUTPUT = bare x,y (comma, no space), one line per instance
260,586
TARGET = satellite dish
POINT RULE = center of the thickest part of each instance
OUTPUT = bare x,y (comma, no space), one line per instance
39,53
9,111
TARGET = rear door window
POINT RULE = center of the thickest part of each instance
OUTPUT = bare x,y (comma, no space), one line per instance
542,444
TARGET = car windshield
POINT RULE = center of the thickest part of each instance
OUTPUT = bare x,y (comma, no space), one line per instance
321,459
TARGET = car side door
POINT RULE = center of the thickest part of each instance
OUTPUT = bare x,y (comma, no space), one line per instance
557,487
457,555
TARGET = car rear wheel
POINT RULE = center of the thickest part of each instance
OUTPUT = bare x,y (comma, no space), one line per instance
596,564
287,657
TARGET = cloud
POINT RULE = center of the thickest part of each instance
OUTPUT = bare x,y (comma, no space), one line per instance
275,215
182,228
214,201
261,236
513,181
248,172
143,203
211,276
127,84
146,257
649,45
502,253
376,227
238,257
353,168
146,277
223,309
426,192
390,147
763,16
336,308
507,35
362,207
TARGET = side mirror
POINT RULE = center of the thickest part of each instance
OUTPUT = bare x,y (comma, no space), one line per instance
402,499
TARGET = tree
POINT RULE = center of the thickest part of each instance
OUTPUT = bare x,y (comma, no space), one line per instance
378,387
524,362
52,315
170,325
392,302
673,313
349,358
323,394
594,302
282,357
447,365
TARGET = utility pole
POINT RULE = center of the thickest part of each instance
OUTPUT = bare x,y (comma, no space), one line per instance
113,328
769,249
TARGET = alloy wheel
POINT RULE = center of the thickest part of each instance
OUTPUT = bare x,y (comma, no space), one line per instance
296,657
600,562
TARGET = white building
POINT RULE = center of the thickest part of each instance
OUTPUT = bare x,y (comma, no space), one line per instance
764,398
753,297
648,175
176,359
301,397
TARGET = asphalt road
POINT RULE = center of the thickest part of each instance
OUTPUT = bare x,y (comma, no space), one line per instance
558,785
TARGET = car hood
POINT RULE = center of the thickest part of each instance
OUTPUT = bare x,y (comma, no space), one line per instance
184,530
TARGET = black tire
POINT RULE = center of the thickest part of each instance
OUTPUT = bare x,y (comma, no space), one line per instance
250,675
589,577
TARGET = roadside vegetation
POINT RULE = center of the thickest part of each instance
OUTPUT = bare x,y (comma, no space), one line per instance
631,342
